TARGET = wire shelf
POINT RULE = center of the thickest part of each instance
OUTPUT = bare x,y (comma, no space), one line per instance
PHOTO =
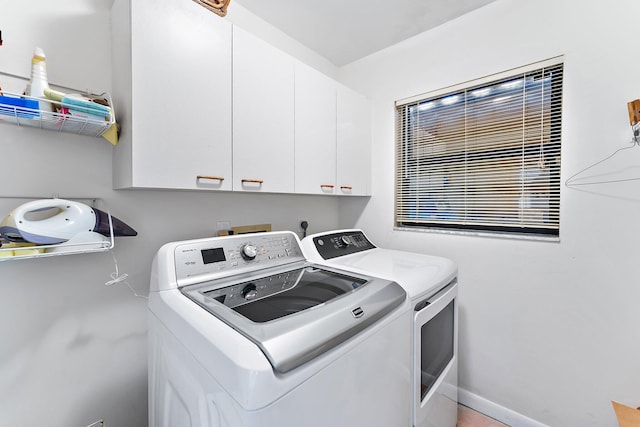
23,115
10,252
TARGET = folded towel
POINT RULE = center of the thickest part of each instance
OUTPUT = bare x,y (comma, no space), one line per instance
86,106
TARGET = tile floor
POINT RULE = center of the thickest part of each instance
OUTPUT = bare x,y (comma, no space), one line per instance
469,418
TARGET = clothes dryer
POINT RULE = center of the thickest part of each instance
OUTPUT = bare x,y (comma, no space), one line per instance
431,285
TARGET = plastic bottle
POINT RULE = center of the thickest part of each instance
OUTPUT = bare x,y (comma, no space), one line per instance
39,81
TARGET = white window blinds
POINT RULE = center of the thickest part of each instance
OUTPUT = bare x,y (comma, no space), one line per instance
483,156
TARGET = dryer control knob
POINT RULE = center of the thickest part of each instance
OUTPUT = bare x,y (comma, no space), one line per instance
249,252
345,240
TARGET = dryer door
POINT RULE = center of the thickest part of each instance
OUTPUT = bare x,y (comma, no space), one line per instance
435,360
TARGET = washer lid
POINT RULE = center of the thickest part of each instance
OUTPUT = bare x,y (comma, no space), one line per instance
296,314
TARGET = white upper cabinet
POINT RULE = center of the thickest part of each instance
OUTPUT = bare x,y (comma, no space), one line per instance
263,116
315,132
172,87
203,104
353,144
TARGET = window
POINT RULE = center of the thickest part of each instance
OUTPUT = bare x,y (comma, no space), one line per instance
483,156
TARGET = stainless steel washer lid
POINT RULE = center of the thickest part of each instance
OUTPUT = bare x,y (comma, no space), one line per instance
294,314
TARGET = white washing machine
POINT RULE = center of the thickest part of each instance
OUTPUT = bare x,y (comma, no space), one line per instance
431,284
245,332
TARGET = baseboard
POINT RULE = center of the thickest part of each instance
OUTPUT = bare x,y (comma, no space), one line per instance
493,410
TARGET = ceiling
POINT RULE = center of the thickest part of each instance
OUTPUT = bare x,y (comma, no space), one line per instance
346,30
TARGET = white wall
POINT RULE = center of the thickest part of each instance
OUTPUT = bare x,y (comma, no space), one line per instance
548,330
241,17
73,350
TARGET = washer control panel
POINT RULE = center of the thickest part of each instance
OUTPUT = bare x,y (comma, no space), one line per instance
340,244
229,255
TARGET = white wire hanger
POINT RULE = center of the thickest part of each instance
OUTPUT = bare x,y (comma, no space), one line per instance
620,168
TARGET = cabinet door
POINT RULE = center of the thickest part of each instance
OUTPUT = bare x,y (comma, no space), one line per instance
353,144
263,129
315,132
181,96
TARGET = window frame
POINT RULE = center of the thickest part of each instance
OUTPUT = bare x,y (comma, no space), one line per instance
548,232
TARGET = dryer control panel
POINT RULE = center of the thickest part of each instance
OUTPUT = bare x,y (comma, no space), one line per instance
342,243
231,255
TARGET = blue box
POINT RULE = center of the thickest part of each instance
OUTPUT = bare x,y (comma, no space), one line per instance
19,107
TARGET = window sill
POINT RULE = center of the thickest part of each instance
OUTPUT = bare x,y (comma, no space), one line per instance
486,234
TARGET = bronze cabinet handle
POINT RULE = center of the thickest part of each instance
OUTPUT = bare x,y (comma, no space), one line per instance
346,187
254,181
212,177
327,186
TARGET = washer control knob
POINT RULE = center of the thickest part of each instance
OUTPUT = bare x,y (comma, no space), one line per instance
249,251
249,292
345,241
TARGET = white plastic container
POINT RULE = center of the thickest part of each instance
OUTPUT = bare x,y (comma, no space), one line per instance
39,81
